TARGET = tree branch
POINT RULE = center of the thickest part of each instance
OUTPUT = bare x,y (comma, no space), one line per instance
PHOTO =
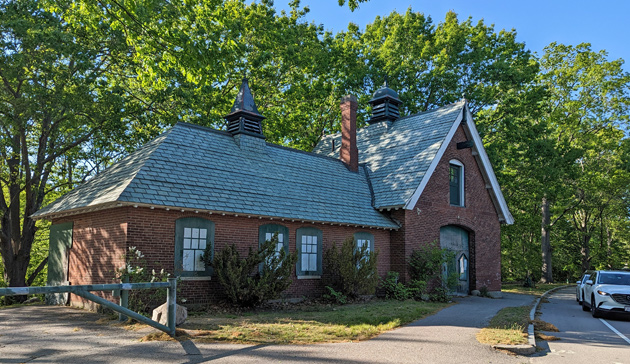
36,272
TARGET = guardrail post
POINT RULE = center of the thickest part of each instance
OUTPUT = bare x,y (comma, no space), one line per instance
124,300
171,299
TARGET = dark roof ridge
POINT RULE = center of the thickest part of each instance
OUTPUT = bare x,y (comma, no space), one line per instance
428,111
225,133
379,123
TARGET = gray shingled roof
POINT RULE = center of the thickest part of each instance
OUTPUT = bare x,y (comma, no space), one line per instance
398,154
194,167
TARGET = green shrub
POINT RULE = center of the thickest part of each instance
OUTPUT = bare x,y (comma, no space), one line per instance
394,289
263,275
136,270
334,296
351,270
426,263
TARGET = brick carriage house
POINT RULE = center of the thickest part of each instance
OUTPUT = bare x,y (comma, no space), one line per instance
396,184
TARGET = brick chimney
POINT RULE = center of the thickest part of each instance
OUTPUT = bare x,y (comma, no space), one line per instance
348,153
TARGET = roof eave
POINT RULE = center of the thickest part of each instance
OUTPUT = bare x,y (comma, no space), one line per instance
116,204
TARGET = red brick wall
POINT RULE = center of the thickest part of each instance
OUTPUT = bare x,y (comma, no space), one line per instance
478,216
153,233
98,246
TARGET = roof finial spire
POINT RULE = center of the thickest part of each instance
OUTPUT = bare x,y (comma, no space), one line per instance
386,83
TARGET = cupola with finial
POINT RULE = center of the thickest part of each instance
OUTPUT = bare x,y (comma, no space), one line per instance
244,117
385,103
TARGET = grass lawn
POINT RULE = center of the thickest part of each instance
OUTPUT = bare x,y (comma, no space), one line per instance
508,326
305,324
537,291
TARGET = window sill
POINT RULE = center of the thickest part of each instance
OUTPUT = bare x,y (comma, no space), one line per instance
208,278
309,277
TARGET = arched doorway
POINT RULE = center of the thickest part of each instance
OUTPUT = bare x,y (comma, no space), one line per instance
456,272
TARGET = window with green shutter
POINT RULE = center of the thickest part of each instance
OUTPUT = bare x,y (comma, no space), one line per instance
309,246
364,239
192,236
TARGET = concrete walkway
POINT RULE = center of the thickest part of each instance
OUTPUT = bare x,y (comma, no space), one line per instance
41,334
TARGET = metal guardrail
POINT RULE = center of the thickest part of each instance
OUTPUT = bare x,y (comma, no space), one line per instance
84,291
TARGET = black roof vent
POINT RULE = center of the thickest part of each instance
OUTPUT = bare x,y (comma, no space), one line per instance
244,117
385,103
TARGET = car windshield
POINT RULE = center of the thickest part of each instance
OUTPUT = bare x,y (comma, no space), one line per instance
614,278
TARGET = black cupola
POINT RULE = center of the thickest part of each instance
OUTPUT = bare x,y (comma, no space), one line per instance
244,117
385,104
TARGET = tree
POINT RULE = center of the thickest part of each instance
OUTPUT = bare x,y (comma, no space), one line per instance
56,107
588,102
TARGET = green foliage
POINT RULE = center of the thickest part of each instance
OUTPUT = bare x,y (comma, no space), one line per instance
334,296
394,289
483,291
263,275
351,270
136,270
425,264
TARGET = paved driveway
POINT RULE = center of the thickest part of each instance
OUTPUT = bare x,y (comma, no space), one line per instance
41,334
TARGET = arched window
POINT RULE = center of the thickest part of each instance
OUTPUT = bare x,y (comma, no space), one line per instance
456,182
192,236
462,267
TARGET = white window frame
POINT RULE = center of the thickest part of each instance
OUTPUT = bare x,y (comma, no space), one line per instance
462,183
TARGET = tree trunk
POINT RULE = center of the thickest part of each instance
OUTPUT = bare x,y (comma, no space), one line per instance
586,252
547,274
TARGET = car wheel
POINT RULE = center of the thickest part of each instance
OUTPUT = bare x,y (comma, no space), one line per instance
594,310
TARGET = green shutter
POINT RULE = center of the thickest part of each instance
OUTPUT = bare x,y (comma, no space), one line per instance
309,231
60,240
272,229
59,244
191,222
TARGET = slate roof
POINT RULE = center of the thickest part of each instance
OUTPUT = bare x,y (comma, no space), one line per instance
398,155
193,167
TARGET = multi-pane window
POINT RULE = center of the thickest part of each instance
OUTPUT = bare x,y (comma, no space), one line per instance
267,232
280,242
364,239
309,246
192,236
308,254
364,243
456,184
195,241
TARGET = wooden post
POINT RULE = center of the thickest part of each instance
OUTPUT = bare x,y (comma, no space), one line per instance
171,299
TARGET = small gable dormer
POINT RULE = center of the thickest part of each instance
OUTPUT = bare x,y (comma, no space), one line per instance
244,117
385,105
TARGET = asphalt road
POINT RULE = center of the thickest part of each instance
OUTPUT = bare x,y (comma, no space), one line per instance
41,334
583,339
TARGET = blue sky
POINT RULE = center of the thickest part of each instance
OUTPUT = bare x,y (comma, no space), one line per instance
604,23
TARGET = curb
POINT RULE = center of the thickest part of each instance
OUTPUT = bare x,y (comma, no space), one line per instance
532,316
530,347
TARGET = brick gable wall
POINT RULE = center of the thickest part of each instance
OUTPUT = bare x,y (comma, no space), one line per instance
433,210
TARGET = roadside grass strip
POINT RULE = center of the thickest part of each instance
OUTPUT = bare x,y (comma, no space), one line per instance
306,325
538,290
508,326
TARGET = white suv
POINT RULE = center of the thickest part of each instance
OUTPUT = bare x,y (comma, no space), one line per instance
607,291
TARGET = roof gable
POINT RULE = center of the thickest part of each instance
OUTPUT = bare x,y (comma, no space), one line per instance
401,156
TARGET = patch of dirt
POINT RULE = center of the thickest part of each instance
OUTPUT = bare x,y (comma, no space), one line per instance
541,325
541,336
